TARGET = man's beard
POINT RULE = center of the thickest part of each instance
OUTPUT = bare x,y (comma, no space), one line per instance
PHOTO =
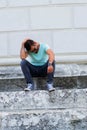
36,50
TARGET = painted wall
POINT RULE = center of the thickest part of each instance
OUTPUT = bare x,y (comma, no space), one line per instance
60,23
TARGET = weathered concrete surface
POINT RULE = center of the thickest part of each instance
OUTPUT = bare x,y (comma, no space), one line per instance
18,84
74,98
41,110
66,76
70,119
61,70
68,70
64,109
12,84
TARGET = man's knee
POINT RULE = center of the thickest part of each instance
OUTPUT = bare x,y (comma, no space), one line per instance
23,62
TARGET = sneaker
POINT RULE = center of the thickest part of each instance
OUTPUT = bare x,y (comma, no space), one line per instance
50,87
29,87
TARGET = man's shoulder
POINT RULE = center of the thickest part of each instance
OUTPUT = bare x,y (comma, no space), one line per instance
44,44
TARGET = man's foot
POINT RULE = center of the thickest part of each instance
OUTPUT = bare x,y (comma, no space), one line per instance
50,87
29,87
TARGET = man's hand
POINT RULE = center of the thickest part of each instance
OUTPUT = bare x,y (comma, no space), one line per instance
24,41
50,69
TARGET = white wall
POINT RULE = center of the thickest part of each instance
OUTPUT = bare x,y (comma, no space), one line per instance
60,23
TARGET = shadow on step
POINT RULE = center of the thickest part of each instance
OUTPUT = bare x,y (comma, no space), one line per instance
17,84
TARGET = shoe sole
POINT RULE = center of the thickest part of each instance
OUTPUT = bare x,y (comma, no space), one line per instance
51,90
26,89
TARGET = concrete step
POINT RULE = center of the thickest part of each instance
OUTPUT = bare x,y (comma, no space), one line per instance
64,109
66,76
65,119
42,100
61,70
40,110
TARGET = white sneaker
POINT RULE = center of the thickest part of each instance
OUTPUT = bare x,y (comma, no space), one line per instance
50,87
29,87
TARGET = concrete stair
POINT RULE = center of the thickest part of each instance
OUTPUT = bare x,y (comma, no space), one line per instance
64,109
66,76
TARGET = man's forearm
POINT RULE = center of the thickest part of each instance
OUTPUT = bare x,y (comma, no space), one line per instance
51,56
23,54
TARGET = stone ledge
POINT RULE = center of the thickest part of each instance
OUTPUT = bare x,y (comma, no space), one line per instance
18,84
38,100
70,119
61,70
66,76
62,58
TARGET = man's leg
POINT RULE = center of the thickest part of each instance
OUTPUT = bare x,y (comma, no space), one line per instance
42,71
50,76
29,71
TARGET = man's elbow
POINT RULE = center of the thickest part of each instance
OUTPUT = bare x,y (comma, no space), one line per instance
22,57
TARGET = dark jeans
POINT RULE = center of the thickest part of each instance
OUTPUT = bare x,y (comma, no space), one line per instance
30,71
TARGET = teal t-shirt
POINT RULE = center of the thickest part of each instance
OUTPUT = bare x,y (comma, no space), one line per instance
39,58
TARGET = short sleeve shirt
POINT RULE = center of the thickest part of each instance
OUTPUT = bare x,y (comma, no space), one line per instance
39,58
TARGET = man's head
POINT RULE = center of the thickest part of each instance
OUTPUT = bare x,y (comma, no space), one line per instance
31,46
28,44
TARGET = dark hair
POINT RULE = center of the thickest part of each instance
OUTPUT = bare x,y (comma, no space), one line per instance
28,44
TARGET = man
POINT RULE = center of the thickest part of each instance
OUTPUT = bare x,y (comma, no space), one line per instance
37,61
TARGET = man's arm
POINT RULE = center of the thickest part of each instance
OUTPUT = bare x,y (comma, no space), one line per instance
51,56
23,52
51,59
